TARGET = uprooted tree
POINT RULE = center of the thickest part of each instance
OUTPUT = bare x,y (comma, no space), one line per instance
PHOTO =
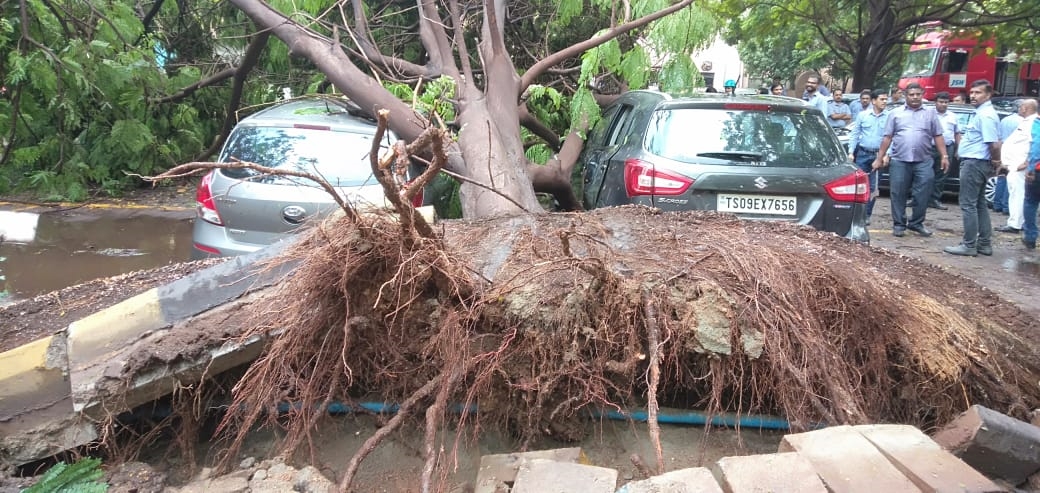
536,322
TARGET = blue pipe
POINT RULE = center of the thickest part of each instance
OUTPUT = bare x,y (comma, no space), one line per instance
667,416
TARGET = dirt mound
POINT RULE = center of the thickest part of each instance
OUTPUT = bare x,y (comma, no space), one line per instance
538,320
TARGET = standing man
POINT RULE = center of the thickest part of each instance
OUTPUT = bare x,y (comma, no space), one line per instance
863,104
980,158
813,96
1014,151
913,132
868,129
1032,203
896,100
952,137
1008,124
838,113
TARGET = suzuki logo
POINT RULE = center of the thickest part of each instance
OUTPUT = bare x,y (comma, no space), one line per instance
761,182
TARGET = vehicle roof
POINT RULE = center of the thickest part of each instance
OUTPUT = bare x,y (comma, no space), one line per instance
336,113
719,100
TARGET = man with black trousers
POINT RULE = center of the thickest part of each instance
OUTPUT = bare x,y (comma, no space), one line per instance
913,132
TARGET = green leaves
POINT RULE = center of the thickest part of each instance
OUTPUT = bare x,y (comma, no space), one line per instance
81,477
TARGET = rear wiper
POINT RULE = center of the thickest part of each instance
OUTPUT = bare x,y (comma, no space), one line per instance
733,155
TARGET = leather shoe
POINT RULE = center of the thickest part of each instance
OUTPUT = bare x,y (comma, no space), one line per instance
961,250
1030,245
898,233
921,231
937,205
1008,229
985,250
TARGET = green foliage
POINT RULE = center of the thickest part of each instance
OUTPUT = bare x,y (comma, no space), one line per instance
433,98
80,477
679,76
81,107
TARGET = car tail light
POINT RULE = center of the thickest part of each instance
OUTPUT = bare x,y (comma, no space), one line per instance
850,188
642,179
205,209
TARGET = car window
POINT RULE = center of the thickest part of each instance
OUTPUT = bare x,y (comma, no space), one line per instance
620,122
761,138
340,157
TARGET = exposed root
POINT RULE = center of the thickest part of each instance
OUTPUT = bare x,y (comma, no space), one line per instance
559,316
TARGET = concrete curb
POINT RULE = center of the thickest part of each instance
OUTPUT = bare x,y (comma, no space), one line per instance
48,386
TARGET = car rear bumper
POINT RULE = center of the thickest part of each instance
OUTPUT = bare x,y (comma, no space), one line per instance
209,240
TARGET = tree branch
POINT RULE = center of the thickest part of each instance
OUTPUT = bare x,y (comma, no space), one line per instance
539,68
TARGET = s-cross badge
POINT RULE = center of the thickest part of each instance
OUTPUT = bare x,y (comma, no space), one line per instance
761,182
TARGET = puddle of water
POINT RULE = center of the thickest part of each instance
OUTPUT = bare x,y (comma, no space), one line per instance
70,249
1028,266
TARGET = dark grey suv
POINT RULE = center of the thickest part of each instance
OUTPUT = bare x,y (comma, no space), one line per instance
759,157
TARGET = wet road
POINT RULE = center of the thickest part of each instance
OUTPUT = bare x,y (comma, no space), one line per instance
73,246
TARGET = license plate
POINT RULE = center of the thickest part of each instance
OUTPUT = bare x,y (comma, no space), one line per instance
757,204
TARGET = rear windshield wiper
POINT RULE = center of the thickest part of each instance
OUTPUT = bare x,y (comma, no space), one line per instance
733,155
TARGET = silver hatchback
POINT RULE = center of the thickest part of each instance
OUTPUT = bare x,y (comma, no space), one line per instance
241,210
759,157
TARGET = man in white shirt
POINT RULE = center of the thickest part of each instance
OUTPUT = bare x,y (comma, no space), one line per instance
1014,152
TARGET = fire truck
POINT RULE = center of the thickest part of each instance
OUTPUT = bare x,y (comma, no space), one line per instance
947,61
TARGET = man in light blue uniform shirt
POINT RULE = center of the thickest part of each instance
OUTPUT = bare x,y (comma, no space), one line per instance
979,154
952,136
814,97
865,139
838,114
913,133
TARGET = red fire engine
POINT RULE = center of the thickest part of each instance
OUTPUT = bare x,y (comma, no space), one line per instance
944,61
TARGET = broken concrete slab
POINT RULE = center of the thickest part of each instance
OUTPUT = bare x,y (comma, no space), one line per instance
549,476
993,443
922,460
787,472
500,469
690,480
846,461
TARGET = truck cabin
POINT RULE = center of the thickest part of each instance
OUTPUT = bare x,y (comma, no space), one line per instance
939,61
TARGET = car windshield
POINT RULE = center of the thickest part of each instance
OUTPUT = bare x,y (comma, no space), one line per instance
920,62
757,138
340,157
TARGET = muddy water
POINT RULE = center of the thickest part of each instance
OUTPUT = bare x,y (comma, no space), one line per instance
76,246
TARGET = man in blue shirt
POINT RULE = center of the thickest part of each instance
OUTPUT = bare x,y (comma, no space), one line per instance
838,113
865,139
864,103
814,98
979,154
1032,200
912,132
952,136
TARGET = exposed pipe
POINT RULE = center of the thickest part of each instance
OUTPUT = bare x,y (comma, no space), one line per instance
664,416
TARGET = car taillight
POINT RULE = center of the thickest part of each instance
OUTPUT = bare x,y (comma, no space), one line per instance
850,188
205,209
641,178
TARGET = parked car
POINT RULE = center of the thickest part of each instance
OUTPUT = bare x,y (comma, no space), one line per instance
952,184
758,156
241,210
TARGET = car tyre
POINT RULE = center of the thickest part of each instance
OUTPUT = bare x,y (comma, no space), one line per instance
991,190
